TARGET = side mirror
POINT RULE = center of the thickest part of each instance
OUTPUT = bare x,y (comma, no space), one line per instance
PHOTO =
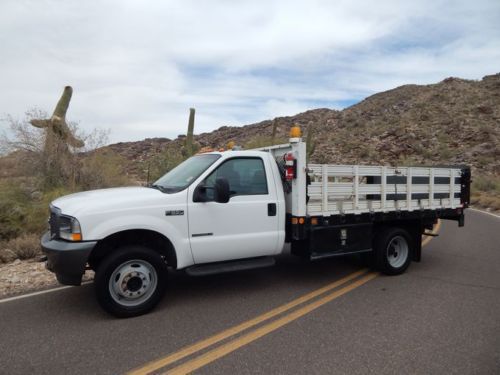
221,190
200,194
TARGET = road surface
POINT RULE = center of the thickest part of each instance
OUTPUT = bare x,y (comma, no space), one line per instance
442,316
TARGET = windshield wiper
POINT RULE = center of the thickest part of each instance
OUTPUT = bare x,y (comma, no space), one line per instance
164,189
158,187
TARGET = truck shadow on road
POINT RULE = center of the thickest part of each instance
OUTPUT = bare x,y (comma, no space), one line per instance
288,279
290,274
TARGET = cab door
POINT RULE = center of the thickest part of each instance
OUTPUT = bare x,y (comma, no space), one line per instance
246,226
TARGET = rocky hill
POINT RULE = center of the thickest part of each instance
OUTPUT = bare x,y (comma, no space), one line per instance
455,121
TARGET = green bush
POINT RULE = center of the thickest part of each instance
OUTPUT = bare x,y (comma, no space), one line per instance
13,210
101,170
486,183
23,210
164,162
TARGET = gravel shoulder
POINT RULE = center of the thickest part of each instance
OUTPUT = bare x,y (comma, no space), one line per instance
24,276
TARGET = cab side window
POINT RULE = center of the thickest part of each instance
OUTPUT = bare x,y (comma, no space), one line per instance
246,176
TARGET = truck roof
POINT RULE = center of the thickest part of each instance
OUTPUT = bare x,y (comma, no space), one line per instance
237,153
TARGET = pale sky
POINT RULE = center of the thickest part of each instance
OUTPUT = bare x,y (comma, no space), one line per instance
136,67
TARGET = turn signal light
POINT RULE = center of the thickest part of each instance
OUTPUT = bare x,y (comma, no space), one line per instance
298,220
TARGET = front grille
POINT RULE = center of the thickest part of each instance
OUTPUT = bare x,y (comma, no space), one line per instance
54,222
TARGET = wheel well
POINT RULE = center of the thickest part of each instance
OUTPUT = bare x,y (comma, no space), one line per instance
148,238
415,228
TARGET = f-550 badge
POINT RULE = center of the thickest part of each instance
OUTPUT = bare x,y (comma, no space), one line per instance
174,213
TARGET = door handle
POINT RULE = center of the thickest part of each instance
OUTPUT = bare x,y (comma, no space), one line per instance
271,209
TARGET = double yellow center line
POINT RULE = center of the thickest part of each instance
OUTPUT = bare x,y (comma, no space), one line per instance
360,277
234,344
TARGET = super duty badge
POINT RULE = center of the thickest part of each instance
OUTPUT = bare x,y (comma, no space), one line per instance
174,213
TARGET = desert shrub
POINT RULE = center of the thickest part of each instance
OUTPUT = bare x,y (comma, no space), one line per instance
486,200
12,213
486,184
445,152
101,170
35,178
57,166
23,209
163,162
26,246
6,255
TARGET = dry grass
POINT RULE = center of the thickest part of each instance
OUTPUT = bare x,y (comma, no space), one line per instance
26,246
486,200
486,192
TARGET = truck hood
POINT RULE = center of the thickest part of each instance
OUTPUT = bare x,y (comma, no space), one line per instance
115,199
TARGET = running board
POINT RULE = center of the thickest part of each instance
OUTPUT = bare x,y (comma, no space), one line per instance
231,266
317,256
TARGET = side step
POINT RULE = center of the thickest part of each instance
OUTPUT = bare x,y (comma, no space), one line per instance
317,256
230,266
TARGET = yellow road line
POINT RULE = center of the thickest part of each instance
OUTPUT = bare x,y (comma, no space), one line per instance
233,345
435,230
171,358
203,344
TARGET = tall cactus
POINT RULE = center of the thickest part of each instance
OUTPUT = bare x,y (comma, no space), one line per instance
189,136
310,143
56,167
275,127
57,128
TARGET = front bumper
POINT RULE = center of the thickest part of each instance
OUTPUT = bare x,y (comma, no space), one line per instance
66,259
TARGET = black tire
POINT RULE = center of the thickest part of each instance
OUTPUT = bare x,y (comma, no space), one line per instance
393,251
139,281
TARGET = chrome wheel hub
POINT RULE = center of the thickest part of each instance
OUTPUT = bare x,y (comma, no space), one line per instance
397,251
133,282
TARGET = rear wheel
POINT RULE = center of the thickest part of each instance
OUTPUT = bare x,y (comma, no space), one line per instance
130,281
393,251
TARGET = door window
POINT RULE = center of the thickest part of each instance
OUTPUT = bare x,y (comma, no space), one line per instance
246,176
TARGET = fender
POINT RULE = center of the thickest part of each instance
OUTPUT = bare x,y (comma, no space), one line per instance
176,231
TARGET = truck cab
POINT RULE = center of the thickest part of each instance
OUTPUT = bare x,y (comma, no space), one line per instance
214,207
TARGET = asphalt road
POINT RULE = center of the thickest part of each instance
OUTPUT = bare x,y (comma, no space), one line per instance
442,316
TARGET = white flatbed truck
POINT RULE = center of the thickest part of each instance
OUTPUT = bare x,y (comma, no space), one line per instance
236,210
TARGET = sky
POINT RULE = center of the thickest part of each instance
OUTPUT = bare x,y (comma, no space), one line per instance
136,67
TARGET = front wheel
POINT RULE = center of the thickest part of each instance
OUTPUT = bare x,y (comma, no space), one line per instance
393,251
130,281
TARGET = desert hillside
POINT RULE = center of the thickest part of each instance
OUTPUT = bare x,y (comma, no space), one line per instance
455,121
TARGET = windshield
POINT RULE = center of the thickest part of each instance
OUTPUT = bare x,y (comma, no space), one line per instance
185,173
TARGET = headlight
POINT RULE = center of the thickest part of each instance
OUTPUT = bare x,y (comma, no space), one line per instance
69,228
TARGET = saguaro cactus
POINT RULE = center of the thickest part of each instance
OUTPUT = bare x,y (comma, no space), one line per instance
57,166
189,136
275,127
57,128
310,143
